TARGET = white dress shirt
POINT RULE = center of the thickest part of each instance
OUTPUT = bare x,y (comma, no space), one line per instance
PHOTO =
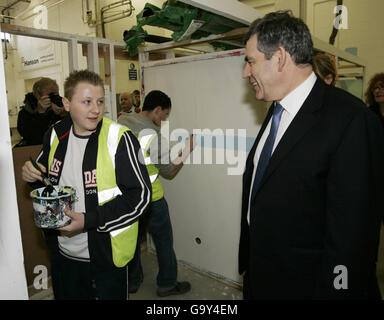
291,104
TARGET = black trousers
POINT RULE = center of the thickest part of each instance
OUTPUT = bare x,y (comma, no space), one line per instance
373,290
247,290
75,280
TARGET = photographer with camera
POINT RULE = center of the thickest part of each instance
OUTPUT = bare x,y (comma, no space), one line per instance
42,108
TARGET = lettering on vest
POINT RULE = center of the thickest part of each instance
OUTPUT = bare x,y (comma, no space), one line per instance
55,167
90,179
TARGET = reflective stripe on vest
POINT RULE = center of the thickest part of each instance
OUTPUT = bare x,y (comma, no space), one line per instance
145,142
153,171
108,194
114,233
54,142
113,139
105,173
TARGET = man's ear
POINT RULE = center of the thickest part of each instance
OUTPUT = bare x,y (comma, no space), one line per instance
157,110
282,55
66,104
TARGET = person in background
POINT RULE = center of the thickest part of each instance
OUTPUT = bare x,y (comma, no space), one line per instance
38,112
374,95
325,67
146,125
136,100
98,158
314,179
126,103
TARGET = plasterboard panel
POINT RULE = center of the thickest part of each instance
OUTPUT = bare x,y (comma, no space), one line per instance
204,199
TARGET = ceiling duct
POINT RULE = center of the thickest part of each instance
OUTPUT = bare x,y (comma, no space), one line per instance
5,14
108,13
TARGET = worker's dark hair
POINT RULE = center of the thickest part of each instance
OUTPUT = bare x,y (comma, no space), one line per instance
156,98
79,76
281,29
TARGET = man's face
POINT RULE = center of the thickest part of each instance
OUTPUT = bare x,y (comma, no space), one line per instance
136,99
161,115
86,107
261,73
125,102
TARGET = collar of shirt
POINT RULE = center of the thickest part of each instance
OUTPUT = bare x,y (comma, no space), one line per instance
295,99
292,104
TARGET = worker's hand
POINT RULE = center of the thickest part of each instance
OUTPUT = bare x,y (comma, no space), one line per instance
30,174
189,145
77,221
45,102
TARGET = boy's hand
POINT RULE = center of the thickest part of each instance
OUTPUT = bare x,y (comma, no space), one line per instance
30,174
77,221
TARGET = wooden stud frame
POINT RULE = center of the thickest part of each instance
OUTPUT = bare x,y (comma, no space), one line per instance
93,47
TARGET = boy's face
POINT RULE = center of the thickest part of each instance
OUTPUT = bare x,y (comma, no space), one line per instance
86,107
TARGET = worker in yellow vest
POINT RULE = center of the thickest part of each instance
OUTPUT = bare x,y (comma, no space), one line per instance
146,125
99,158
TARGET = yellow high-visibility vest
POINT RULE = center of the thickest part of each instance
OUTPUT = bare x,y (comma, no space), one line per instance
153,171
123,241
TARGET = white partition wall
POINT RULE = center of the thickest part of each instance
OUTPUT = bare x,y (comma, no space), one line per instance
211,100
13,284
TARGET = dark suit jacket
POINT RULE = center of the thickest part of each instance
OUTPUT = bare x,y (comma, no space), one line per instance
319,203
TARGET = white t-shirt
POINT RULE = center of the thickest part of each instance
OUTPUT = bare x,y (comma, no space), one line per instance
76,245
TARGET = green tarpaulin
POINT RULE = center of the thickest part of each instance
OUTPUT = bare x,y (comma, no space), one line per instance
186,22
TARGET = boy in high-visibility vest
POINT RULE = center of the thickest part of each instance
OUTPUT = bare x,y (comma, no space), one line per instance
146,125
99,158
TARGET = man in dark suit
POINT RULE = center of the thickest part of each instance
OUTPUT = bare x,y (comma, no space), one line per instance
313,181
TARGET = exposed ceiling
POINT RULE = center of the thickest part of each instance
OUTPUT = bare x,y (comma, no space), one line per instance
13,5
4,3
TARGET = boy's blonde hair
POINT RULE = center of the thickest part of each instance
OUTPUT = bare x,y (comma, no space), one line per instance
78,76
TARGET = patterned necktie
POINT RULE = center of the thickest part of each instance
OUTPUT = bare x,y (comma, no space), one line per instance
267,149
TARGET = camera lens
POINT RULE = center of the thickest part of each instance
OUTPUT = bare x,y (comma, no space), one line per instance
56,99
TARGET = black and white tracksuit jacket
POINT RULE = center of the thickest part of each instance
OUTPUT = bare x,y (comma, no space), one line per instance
131,178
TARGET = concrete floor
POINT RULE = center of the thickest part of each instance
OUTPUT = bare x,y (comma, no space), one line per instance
204,287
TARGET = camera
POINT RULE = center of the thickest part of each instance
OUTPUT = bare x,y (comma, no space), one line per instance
56,99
